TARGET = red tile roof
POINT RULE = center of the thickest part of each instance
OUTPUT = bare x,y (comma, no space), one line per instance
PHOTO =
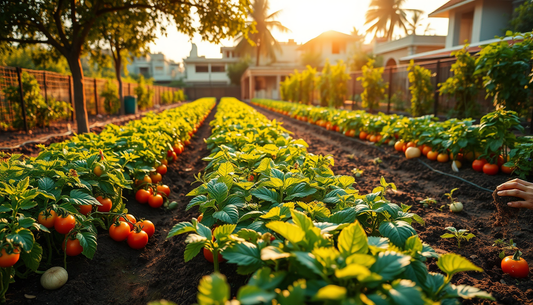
447,5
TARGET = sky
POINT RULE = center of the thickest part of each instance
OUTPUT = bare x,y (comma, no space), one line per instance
306,19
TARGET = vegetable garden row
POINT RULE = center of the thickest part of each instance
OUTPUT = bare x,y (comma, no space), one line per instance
304,233
53,204
492,146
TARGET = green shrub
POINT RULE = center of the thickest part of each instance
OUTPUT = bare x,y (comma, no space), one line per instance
420,88
38,112
167,98
144,95
398,101
506,70
324,84
111,99
179,96
338,84
373,84
463,85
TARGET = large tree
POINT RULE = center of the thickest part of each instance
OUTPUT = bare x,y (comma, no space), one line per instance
384,16
125,34
263,41
68,26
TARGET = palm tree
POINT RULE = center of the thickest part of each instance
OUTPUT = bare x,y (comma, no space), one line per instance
385,15
264,43
416,19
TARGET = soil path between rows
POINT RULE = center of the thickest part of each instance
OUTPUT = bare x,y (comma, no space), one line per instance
416,182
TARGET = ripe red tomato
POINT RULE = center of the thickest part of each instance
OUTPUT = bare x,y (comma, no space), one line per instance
147,226
515,268
477,165
490,169
162,169
120,232
155,201
350,133
106,206
163,189
63,225
142,196
47,221
174,157
85,209
373,138
8,260
73,247
251,178
137,240
209,256
156,177
507,170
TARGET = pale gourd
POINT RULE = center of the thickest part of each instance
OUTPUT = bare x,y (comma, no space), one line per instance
54,278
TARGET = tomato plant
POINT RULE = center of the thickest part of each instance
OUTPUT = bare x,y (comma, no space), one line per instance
155,201
72,247
147,226
142,196
47,218
163,189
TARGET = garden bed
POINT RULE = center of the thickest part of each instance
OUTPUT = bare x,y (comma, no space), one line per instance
415,182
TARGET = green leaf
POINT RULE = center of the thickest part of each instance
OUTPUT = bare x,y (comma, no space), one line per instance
308,260
217,191
196,201
466,292
346,181
79,197
295,294
291,232
88,243
223,231
273,253
22,237
254,295
32,259
343,216
352,271
300,190
265,279
452,263
46,184
244,254
304,222
390,264
352,239
405,292
180,228
192,249
225,169
447,235
417,272
213,290
266,194
229,214
398,231
332,293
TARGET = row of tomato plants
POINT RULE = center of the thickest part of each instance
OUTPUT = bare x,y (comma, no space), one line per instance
491,146
54,202
304,233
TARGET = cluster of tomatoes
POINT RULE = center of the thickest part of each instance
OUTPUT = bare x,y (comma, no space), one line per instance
478,164
135,232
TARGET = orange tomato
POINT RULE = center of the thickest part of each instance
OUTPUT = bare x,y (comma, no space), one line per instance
399,145
425,150
373,139
443,158
362,135
432,155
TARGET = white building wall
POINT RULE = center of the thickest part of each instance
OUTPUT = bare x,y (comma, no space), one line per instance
495,18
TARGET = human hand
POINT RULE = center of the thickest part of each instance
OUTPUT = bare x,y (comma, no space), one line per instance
518,188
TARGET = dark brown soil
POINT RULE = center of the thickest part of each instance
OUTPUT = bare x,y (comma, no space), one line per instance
504,211
120,275
416,182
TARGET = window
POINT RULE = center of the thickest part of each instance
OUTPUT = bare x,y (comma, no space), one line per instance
159,70
218,69
335,47
202,68
465,28
144,71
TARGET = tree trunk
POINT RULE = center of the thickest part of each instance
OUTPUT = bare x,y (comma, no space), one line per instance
79,94
258,53
118,69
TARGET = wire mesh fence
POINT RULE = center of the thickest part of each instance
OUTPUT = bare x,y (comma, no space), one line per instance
56,87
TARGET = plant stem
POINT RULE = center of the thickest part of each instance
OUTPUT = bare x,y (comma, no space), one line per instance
215,259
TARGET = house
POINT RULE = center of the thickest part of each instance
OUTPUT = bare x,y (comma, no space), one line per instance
476,22
156,66
202,71
331,45
392,51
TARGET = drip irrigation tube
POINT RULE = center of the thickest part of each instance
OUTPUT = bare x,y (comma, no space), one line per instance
396,156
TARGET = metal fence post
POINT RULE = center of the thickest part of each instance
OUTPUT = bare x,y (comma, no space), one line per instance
390,90
45,88
436,97
95,97
22,105
353,91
